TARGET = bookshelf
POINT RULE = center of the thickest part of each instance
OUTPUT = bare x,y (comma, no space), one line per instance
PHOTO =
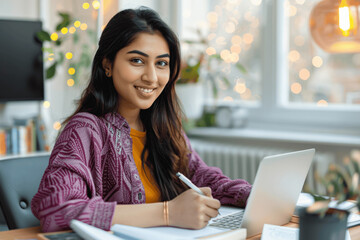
23,137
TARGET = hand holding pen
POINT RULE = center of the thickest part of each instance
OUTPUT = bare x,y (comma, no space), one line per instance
190,184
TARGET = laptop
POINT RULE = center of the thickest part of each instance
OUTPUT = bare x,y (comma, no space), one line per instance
276,189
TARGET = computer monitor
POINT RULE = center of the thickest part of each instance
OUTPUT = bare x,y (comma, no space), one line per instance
21,61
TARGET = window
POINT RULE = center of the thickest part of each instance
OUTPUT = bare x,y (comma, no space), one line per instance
315,76
293,83
229,33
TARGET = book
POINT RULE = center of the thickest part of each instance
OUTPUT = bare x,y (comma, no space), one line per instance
22,140
14,140
8,140
174,233
89,232
2,142
60,236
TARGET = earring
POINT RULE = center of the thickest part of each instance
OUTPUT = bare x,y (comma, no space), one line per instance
107,73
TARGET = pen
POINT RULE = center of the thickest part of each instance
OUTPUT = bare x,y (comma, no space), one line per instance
189,183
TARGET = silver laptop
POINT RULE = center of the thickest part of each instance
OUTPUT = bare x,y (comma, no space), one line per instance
278,183
272,200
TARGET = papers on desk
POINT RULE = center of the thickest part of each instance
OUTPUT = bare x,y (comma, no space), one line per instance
306,200
89,232
273,232
173,233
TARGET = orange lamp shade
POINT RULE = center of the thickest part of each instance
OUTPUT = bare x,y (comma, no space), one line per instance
335,25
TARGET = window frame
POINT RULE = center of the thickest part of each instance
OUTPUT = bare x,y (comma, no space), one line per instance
273,109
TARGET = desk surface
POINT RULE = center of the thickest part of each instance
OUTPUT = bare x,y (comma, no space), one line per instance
31,233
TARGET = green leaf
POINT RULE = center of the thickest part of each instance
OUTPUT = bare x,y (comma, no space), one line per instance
319,198
215,90
48,50
61,57
64,15
191,73
58,42
43,36
215,56
65,21
85,60
241,68
76,37
226,81
50,72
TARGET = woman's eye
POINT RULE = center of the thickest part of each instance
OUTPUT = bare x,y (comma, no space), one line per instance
136,60
162,63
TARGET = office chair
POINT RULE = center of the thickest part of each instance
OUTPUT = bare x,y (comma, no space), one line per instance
19,181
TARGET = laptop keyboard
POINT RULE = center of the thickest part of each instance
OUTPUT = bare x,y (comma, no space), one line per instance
231,221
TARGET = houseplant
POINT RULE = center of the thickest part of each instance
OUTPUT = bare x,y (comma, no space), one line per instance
199,66
66,34
341,183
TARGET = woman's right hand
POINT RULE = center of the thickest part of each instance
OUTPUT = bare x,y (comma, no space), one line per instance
192,210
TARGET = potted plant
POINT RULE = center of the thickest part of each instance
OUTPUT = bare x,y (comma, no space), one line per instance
189,88
199,66
341,183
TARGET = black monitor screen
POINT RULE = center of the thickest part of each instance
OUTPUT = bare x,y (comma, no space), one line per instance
21,64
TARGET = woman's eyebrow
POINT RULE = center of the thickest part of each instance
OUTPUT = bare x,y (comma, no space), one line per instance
146,55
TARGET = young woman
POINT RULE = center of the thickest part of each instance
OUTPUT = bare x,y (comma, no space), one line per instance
116,159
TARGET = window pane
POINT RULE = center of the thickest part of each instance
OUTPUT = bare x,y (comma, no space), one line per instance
230,42
316,76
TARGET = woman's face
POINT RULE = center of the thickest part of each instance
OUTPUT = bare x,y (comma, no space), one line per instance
140,72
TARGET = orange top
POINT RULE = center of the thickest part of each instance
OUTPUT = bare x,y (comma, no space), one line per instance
152,193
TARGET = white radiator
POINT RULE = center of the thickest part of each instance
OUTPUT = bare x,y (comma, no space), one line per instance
243,161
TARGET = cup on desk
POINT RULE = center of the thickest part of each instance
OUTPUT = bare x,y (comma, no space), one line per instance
331,226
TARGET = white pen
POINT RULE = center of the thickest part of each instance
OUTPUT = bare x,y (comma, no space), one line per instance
189,183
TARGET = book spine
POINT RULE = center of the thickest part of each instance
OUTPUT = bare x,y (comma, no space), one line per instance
2,142
28,138
22,140
15,140
33,136
41,135
8,141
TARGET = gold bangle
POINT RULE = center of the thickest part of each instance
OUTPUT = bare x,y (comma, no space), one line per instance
166,213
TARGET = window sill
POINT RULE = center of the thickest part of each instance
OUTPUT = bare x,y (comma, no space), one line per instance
277,135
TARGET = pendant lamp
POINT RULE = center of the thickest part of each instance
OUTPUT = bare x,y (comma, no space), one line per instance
335,25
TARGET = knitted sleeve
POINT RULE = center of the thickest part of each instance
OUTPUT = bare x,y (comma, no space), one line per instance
67,190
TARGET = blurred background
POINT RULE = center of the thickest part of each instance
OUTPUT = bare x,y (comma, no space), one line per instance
259,77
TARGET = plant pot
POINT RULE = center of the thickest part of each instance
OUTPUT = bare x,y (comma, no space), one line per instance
330,227
191,99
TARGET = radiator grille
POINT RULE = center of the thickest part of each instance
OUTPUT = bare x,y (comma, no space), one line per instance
243,161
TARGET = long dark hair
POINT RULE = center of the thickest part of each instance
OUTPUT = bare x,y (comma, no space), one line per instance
165,143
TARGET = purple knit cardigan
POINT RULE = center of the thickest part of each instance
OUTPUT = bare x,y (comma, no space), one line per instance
91,169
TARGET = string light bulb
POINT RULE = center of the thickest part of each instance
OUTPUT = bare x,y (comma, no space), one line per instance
96,4
335,25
